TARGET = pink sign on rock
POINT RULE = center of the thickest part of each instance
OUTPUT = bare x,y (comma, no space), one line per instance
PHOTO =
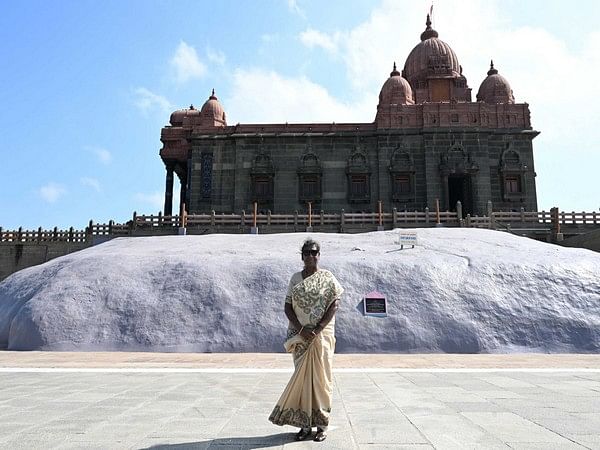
375,304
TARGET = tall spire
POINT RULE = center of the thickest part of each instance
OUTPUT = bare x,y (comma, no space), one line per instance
492,71
429,32
395,72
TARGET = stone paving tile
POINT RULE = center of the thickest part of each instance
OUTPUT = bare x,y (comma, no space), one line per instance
455,432
511,427
545,445
588,440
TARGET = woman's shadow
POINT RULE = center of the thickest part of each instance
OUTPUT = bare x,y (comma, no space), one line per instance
237,442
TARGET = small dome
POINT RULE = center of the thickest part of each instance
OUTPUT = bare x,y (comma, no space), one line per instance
177,117
495,88
212,112
431,56
396,90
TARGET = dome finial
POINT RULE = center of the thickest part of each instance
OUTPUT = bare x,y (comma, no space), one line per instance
492,71
395,72
429,32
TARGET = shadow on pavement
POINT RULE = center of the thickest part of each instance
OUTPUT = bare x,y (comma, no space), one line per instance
238,442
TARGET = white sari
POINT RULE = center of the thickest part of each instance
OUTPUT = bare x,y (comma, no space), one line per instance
306,400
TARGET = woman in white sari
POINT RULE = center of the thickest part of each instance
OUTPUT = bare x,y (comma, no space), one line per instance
310,305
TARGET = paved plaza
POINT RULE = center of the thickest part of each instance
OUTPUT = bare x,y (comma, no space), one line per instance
180,401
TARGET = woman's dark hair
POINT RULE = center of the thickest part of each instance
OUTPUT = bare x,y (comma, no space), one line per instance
309,244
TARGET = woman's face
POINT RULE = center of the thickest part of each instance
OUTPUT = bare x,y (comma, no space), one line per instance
310,256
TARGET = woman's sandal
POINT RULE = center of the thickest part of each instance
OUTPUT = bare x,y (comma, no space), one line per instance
303,434
320,436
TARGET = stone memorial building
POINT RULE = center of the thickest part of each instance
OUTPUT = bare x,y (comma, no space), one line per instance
429,141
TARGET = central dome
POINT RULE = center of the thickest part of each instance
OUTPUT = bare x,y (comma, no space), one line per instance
431,56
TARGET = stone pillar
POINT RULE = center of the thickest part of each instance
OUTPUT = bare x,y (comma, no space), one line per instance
183,195
169,192
446,192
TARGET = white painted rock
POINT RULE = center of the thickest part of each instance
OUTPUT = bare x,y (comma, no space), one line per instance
459,290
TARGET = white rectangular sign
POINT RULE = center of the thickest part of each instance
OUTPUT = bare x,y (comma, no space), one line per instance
407,238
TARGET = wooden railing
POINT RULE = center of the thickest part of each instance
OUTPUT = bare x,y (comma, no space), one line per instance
149,224
39,235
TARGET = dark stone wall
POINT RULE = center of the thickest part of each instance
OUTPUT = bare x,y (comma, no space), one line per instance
15,256
474,153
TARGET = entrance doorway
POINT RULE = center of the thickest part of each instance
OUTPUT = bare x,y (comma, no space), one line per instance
459,188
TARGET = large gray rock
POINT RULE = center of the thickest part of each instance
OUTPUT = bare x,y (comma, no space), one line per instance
459,290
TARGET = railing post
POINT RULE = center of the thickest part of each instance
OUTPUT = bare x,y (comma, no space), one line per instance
459,212
427,215
55,234
1,235
594,218
309,227
254,228
268,217
322,217
342,221
296,220
394,217
380,211
110,226
522,211
160,219
584,218
468,220
39,234
70,238
557,236
212,218
490,209
19,234
243,219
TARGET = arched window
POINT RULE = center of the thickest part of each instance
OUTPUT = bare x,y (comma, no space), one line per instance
262,179
359,178
309,178
402,175
511,175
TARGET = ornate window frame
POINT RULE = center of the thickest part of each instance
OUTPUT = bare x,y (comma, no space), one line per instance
262,177
402,167
512,171
359,177
309,173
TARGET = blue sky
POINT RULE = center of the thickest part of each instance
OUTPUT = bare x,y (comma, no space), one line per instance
87,85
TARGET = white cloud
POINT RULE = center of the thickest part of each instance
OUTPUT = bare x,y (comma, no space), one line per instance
51,192
216,56
103,155
266,96
90,182
186,63
153,199
147,101
295,8
313,38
